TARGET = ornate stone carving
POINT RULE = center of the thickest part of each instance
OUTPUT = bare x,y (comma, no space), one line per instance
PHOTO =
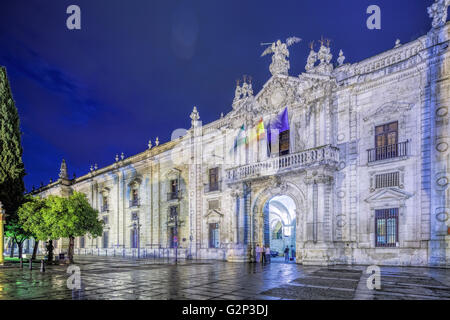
280,65
438,12
195,116
341,58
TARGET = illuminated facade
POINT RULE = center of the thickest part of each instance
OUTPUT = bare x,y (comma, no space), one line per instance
366,163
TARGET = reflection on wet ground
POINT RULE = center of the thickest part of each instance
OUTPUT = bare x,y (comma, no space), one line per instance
116,278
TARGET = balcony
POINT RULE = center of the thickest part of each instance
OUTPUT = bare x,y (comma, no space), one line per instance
392,151
174,195
324,155
217,187
134,203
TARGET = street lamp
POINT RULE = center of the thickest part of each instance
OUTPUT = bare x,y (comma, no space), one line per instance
2,218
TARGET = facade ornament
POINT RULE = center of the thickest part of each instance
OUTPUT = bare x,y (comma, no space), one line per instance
149,144
280,65
438,12
341,58
63,170
397,43
195,116
95,167
157,141
117,157
92,168
312,58
51,180
122,156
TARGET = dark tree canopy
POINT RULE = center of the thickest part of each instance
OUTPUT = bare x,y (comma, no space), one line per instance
12,169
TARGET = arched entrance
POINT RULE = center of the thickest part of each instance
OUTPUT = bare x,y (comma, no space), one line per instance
277,220
280,225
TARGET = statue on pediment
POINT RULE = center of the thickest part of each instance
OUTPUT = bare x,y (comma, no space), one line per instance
438,11
279,50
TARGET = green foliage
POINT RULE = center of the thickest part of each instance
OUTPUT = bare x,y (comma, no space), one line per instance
31,218
14,230
12,169
71,217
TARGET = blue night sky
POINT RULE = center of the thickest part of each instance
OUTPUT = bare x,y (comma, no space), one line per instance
137,67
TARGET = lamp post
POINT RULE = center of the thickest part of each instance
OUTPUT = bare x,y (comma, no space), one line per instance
2,215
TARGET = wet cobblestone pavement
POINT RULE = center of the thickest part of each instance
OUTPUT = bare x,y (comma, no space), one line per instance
118,279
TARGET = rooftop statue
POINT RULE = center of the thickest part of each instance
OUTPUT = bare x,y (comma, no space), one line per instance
280,65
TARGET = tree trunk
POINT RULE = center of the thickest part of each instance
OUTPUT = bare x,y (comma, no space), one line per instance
50,251
71,245
36,245
11,254
20,247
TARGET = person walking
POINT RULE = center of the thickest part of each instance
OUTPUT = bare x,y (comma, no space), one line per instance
258,253
292,253
286,254
263,255
267,254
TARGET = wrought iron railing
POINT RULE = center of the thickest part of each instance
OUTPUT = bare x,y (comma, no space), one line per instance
388,152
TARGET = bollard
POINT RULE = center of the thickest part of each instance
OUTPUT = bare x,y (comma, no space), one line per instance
21,263
42,266
31,264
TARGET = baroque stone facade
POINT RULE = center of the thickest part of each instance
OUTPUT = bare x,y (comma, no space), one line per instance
367,166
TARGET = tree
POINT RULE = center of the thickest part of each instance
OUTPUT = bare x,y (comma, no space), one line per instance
12,169
71,217
15,231
31,218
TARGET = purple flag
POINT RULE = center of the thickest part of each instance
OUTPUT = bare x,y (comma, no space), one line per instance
280,123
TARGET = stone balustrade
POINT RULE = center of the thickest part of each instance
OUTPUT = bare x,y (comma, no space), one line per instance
324,155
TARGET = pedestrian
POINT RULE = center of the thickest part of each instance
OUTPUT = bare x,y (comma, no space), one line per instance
263,255
286,254
267,254
258,253
292,253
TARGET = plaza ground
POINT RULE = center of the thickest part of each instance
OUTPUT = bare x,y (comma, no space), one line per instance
115,278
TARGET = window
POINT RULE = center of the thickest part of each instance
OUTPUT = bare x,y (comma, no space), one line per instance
82,242
386,180
214,179
105,239
386,225
173,213
284,142
134,202
214,235
174,190
105,204
134,216
105,220
134,238
386,139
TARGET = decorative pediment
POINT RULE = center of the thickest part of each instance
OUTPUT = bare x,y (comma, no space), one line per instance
213,213
389,195
135,181
389,109
172,174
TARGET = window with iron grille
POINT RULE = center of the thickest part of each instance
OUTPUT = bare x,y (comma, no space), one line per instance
386,180
213,205
386,227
